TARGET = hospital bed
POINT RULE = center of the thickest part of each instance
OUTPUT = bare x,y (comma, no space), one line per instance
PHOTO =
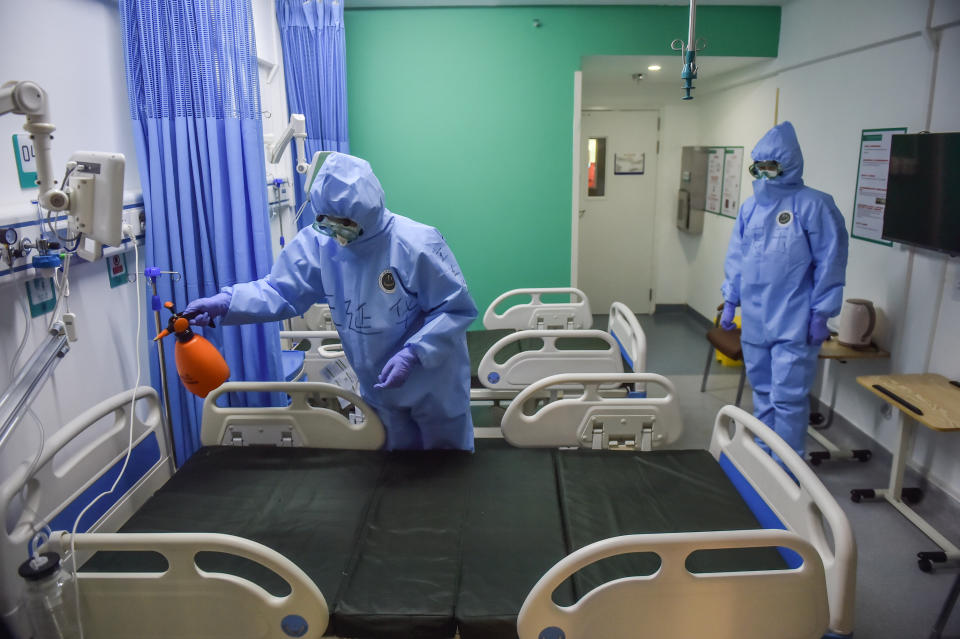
285,540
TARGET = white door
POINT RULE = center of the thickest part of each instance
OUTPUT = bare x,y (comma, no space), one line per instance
618,162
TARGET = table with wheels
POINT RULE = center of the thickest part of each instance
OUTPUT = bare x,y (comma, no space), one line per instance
834,351
930,400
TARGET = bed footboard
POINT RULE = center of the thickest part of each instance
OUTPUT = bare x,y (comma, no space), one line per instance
797,501
592,419
186,602
674,603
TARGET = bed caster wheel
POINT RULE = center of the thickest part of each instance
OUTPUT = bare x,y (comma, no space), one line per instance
816,419
925,559
862,455
858,494
911,495
818,457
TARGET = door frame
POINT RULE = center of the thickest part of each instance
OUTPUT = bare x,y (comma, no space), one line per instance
575,223
575,199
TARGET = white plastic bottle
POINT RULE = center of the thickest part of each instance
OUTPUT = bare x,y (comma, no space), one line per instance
48,598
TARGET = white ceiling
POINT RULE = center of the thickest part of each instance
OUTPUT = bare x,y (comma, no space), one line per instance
609,70
383,4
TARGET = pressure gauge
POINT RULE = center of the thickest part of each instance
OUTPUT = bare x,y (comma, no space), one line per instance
8,236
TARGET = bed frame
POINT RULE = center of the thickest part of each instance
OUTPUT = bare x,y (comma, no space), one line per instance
816,594
312,418
815,528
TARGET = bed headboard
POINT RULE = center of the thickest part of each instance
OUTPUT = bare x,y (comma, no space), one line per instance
56,489
537,314
591,419
803,506
305,421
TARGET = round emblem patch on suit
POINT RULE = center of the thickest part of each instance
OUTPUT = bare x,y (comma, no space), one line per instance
388,282
784,218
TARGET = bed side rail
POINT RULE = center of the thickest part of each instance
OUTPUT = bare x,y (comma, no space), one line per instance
626,329
31,498
187,602
319,416
537,314
804,506
324,344
528,366
593,419
676,604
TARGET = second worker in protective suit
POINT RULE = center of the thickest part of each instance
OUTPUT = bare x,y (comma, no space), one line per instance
785,268
397,297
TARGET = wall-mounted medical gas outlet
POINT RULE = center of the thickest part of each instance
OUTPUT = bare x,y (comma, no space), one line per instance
29,246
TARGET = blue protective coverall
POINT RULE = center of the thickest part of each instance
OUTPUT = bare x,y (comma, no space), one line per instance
786,260
396,285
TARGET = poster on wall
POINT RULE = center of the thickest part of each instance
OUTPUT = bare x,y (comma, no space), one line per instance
714,179
628,163
732,173
870,198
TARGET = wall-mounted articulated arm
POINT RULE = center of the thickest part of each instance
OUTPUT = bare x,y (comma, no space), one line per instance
28,99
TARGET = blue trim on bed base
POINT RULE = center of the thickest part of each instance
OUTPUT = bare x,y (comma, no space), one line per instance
764,514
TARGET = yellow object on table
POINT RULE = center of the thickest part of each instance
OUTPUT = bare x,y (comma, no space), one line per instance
723,359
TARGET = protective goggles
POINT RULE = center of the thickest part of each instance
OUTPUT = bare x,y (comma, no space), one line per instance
765,169
332,227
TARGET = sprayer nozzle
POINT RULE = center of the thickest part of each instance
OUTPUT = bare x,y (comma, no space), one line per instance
161,335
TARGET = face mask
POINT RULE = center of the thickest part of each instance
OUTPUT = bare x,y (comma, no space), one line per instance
331,227
765,169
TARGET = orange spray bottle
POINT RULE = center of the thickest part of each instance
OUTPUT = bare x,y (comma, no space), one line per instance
200,365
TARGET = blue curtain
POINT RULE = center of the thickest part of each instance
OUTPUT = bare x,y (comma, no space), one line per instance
314,67
195,102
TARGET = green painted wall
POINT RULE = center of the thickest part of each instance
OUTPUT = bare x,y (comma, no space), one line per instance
466,115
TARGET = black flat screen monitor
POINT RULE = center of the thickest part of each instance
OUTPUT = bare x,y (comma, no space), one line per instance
923,192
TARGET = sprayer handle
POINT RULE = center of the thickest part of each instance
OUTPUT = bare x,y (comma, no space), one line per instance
190,315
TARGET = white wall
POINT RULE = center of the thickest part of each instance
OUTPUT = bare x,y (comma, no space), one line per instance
830,92
678,128
77,58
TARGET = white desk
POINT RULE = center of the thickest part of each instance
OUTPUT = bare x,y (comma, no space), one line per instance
939,405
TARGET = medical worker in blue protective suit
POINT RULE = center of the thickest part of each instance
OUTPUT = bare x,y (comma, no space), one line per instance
396,295
785,269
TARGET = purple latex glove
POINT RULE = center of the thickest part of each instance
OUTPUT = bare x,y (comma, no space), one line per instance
726,318
206,309
397,369
818,332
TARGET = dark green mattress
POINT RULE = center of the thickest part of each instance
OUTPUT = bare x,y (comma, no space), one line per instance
425,544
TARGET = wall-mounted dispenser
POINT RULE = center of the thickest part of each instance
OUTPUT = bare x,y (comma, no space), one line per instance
692,196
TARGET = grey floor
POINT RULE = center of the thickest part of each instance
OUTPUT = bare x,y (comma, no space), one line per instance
894,599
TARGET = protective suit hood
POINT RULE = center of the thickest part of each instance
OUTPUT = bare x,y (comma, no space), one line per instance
779,143
345,186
